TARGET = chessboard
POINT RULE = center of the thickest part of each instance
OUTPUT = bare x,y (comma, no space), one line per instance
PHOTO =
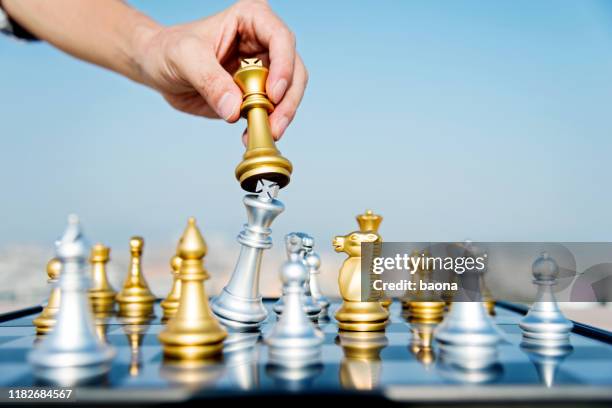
367,367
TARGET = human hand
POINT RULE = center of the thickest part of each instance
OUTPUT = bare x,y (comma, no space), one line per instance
192,64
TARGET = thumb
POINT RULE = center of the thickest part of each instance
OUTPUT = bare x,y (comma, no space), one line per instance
213,82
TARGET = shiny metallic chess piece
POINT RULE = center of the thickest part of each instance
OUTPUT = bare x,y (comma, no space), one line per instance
193,333
294,340
544,323
355,314
72,352
305,243
370,222
46,320
171,303
262,160
135,299
467,323
313,263
361,366
101,293
240,306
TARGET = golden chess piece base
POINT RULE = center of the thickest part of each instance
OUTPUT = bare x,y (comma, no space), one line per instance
45,322
102,302
135,306
170,307
426,312
362,316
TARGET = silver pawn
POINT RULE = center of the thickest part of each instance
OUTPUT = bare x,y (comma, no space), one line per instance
313,263
72,352
304,243
544,323
467,323
294,341
240,306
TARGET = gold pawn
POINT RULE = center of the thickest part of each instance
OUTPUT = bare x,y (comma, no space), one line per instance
370,222
46,320
262,160
135,299
171,303
424,307
101,293
193,333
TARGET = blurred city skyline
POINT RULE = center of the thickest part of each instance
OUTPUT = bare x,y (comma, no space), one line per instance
454,120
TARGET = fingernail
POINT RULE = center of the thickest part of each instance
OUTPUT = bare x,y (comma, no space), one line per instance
281,125
278,90
227,105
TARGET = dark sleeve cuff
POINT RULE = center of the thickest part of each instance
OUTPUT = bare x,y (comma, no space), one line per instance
11,27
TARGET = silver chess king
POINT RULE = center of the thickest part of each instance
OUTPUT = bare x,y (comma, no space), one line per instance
240,306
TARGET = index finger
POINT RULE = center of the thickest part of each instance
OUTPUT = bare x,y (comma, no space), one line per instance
275,35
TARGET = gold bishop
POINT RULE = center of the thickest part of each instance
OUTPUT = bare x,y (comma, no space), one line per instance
193,333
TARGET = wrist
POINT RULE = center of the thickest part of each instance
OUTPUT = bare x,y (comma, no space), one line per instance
141,32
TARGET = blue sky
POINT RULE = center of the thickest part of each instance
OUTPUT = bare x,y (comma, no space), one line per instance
467,119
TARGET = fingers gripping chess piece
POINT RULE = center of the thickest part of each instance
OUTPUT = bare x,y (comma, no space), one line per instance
193,333
304,243
544,323
171,302
101,294
46,320
370,222
294,339
356,314
72,352
239,306
135,299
